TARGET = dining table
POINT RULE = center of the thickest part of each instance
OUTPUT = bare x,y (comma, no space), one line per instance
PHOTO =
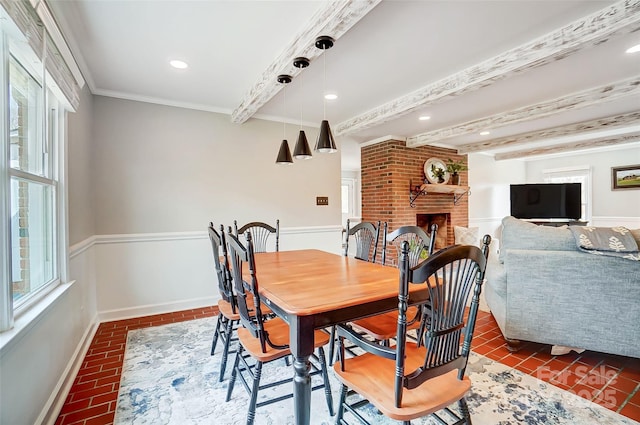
311,289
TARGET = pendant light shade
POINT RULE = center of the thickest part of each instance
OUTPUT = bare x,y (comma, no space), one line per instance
302,149
325,142
284,154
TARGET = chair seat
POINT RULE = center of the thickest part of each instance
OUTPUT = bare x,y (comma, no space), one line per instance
225,309
278,331
373,377
384,326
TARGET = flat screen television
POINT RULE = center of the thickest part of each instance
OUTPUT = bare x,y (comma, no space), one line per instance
546,201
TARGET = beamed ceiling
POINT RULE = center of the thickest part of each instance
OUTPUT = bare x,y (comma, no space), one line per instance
542,77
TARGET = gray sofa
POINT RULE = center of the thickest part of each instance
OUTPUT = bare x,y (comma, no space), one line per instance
542,288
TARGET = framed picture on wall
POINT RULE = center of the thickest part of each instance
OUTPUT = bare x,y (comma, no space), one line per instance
627,177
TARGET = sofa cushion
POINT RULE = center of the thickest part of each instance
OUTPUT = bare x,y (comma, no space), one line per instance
519,234
496,277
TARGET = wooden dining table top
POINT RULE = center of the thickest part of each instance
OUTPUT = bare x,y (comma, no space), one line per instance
307,282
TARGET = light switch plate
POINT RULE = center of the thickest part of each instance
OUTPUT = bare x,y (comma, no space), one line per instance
322,200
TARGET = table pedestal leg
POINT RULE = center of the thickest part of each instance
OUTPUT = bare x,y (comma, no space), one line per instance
302,390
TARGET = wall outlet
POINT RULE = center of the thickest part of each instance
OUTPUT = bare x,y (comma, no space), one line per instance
322,200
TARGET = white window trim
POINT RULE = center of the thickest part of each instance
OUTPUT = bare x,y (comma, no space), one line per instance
28,312
575,170
6,299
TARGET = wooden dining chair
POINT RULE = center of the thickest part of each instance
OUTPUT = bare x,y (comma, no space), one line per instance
264,341
261,234
410,381
383,327
365,235
228,316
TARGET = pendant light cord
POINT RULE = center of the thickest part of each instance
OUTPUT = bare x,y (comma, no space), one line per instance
324,85
284,113
302,103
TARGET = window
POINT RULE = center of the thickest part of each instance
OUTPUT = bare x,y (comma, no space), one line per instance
30,180
346,198
348,190
574,175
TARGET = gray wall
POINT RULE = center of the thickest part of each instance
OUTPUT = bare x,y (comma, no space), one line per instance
166,169
79,138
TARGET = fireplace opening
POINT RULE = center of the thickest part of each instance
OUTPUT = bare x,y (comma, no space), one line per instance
441,219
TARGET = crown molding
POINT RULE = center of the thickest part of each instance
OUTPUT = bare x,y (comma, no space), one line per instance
160,101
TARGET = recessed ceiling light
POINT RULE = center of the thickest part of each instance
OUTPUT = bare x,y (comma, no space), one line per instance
331,96
634,49
424,118
485,133
178,64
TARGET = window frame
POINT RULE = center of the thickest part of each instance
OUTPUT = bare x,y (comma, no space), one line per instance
51,118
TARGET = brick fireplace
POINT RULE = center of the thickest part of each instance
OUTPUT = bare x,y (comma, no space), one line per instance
442,220
387,170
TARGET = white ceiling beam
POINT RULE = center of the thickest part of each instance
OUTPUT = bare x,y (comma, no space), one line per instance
608,123
571,102
334,19
572,147
620,18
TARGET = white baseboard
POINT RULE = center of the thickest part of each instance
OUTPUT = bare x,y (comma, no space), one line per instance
52,408
148,310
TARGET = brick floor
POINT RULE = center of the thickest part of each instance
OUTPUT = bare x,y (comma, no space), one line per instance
92,398
612,381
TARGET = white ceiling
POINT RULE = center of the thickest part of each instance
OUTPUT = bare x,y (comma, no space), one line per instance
470,64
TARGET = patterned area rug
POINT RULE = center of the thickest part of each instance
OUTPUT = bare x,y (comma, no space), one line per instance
169,377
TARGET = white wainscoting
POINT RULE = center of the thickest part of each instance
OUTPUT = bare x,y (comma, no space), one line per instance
628,222
142,274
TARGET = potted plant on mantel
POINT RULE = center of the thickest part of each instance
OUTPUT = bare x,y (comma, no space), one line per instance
438,173
454,168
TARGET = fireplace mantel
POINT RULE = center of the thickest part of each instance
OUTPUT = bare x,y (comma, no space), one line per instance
457,191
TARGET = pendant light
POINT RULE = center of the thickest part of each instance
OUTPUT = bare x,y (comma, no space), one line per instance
284,154
302,150
325,142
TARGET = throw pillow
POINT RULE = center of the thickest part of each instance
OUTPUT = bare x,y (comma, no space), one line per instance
466,235
613,241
